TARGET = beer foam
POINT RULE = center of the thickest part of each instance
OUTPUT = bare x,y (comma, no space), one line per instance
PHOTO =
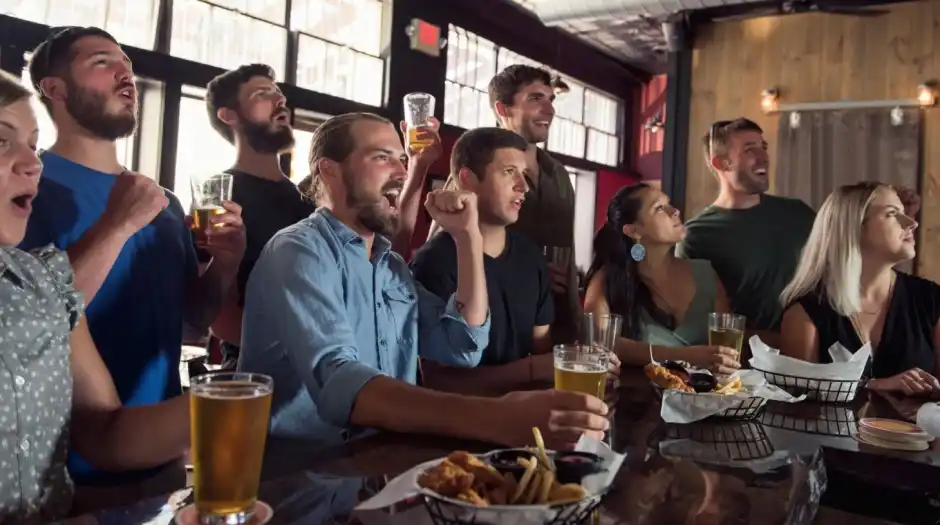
233,390
580,367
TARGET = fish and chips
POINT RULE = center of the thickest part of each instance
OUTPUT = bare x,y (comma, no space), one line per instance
465,477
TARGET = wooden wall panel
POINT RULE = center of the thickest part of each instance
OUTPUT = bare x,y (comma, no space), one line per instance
817,58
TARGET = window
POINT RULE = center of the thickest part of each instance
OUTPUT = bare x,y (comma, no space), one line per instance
585,202
226,38
587,122
338,48
304,125
131,22
200,150
47,129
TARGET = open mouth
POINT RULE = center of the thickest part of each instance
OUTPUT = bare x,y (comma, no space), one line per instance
760,172
23,203
391,195
517,203
542,123
128,93
282,118
908,237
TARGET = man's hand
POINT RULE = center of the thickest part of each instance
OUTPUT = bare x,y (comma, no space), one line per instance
455,211
562,417
428,154
225,236
135,200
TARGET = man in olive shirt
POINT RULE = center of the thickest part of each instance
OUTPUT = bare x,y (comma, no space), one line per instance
522,98
752,239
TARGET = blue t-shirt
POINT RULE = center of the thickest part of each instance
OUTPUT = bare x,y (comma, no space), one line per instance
136,318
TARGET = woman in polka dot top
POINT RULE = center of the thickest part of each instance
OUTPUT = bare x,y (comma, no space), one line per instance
53,384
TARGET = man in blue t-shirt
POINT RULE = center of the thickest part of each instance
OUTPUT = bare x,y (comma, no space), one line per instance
127,238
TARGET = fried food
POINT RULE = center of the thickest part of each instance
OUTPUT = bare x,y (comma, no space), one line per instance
733,387
665,378
465,477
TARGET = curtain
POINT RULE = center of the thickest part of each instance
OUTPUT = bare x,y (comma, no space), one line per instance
819,151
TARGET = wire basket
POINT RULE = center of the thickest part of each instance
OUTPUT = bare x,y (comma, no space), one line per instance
817,418
823,390
444,511
739,441
746,410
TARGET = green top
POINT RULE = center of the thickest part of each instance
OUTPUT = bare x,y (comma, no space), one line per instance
547,215
755,252
692,329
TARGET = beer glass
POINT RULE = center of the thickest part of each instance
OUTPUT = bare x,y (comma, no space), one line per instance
600,330
418,108
581,368
229,414
208,194
726,330
558,255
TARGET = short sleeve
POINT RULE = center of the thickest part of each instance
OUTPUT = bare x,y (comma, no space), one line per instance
192,259
545,310
56,262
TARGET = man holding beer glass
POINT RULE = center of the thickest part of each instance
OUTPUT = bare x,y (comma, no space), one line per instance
338,321
126,238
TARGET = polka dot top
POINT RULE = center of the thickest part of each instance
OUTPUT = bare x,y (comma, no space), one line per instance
39,307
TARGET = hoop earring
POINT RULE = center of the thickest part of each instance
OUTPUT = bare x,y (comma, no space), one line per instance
637,252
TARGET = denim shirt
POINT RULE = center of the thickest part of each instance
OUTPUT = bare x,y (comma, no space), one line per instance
323,320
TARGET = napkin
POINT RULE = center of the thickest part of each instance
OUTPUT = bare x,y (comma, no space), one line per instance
406,486
806,376
928,418
685,407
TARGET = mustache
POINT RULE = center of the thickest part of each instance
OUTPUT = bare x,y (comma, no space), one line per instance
124,85
390,186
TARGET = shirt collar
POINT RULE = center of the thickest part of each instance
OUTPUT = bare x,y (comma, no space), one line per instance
8,264
380,245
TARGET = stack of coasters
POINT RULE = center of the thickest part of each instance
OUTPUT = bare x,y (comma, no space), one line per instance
893,434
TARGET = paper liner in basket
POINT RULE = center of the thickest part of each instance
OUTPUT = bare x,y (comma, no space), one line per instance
685,407
406,486
833,382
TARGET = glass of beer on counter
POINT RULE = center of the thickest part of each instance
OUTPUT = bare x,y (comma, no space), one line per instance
419,107
726,330
208,194
581,368
229,414
600,330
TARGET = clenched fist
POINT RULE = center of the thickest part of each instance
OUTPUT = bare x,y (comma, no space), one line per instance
135,200
454,210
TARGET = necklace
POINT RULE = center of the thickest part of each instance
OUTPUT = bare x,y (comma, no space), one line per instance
855,318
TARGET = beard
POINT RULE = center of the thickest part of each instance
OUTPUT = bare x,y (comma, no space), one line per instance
89,109
751,184
263,139
371,213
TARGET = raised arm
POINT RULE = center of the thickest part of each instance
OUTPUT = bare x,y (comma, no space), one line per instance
409,200
114,437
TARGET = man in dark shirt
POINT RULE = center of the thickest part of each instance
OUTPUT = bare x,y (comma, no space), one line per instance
490,162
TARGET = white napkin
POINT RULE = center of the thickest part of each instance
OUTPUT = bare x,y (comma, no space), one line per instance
406,486
928,418
685,407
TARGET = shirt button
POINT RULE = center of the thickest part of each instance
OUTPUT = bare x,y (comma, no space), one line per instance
382,342
24,445
19,381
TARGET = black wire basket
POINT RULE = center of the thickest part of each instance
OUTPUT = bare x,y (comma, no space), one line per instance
823,390
812,418
746,410
739,441
444,511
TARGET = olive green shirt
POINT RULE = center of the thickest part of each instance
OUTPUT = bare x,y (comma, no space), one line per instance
692,329
38,310
755,252
547,215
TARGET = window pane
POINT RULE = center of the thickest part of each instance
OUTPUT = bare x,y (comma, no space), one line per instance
603,148
567,137
601,112
195,140
570,105
299,169
216,36
451,102
353,23
132,22
339,71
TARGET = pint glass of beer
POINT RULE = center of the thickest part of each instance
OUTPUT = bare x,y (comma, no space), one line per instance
600,330
418,108
229,414
726,330
208,194
581,368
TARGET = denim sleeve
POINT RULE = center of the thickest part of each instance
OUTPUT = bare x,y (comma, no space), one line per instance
303,301
445,336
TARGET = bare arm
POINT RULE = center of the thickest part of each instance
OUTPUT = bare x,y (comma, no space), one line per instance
542,340
488,380
722,304
409,202
95,253
799,338
113,437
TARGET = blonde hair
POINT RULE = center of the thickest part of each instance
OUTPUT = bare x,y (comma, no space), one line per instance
11,90
832,258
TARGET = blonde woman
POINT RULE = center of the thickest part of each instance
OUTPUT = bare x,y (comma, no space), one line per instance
847,291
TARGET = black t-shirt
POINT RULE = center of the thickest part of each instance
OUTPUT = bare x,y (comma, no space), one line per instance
267,207
907,338
518,285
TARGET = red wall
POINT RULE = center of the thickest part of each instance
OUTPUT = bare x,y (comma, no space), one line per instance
648,148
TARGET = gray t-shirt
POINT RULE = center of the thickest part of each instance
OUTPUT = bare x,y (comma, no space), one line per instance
39,307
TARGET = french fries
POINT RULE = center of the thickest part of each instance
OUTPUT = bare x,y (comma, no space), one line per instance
465,477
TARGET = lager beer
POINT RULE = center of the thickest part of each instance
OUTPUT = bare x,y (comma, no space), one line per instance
726,330
419,107
417,143
581,368
202,220
229,415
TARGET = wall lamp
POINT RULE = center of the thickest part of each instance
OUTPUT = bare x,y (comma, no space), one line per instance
559,86
926,96
655,123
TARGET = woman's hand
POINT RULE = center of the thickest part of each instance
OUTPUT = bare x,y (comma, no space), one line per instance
721,360
914,382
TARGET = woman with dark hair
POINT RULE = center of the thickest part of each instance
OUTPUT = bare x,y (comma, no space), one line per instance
664,301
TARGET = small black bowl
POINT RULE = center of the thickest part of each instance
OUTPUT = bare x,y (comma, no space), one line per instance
701,382
508,460
572,467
